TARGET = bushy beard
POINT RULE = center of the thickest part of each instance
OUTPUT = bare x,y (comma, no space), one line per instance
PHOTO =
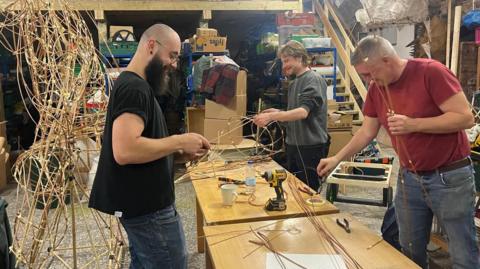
157,76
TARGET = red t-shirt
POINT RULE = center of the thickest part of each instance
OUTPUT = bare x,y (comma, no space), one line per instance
423,86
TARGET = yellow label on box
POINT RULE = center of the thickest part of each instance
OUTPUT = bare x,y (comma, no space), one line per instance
210,44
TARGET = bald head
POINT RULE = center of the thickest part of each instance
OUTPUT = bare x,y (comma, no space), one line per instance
157,54
158,41
161,32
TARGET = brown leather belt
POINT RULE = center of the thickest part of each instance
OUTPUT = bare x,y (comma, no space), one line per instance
449,167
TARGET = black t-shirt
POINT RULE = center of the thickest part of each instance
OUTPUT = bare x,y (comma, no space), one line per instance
135,189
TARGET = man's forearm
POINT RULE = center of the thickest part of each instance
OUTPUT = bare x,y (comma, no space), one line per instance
144,150
449,122
290,115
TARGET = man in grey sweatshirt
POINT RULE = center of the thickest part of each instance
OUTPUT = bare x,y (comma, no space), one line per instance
307,140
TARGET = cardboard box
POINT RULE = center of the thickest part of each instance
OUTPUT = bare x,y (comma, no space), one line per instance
338,141
207,32
237,106
241,83
241,106
339,120
194,120
340,106
332,105
219,131
209,44
236,109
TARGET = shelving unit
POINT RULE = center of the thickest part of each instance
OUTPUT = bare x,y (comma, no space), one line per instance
120,52
334,75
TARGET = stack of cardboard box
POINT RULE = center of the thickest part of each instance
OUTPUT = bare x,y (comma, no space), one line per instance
218,123
207,40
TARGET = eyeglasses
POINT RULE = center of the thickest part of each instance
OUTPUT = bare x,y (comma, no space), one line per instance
174,58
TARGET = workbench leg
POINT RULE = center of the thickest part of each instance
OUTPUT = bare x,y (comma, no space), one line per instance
387,196
332,192
200,233
208,258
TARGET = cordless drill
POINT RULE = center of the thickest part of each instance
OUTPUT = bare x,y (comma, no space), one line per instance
275,178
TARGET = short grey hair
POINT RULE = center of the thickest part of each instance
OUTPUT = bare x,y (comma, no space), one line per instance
371,48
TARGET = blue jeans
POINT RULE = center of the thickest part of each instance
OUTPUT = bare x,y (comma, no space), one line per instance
156,240
450,196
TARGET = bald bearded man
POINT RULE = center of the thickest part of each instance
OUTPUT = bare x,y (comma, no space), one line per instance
134,180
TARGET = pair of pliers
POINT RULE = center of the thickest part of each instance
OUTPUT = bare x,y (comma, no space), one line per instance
345,225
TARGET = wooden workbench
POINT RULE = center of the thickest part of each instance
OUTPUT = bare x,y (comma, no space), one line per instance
228,245
210,210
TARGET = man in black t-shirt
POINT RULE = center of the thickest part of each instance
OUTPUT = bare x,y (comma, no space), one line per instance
134,179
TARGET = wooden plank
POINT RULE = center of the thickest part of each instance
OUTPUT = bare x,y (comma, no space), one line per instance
449,28
102,31
206,14
456,39
99,15
230,245
145,5
347,76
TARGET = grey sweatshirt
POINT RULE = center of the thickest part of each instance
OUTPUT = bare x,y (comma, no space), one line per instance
309,90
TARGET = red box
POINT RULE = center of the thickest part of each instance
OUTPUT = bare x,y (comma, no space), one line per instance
295,19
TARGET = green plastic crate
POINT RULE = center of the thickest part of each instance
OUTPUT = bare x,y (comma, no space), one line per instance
118,48
300,38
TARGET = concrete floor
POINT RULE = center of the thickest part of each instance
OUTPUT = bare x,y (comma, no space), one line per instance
371,216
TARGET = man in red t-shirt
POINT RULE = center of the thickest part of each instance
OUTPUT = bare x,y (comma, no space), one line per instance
424,110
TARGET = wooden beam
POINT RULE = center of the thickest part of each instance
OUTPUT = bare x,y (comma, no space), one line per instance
456,39
206,14
99,15
449,32
146,5
102,31
325,8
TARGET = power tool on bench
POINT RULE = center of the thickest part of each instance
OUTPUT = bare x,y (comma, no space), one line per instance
275,178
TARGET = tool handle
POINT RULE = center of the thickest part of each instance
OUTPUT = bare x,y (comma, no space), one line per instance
279,192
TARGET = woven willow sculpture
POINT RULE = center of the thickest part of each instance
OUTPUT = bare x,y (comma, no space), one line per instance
61,74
